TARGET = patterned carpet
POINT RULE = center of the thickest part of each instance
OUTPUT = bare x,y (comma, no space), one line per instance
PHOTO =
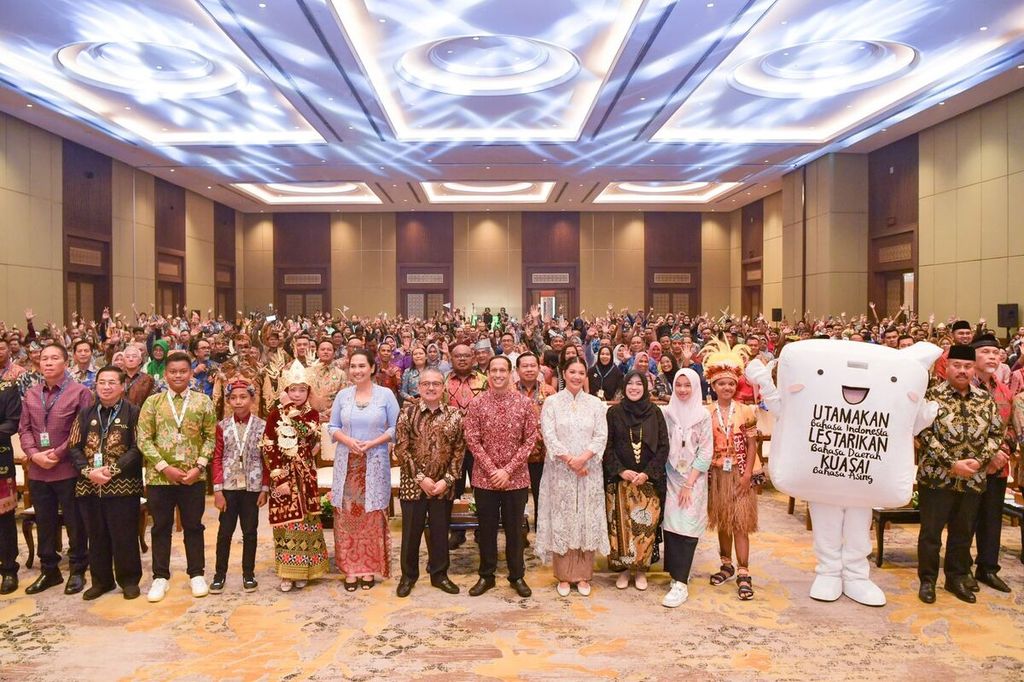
324,633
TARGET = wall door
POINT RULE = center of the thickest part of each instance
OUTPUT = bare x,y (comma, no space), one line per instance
676,301
899,291
552,302
83,296
303,303
752,301
422,304
168,298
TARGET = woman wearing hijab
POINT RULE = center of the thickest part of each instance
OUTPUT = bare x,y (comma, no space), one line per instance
686,494
436,359
155,367
605,379
571,525
634,475
621,355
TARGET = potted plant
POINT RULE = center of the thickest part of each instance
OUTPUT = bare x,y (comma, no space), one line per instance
326,511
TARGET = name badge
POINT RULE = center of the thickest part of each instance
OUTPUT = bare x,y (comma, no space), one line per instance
600,394
97,460
727,464
44,439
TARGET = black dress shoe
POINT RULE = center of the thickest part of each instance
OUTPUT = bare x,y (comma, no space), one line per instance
217,586
249,583
445,585
456,539
970,583
404,587
926,592
44,582
482,585
96,591
992,580
960,590
76,583
131,591
9,584
521,588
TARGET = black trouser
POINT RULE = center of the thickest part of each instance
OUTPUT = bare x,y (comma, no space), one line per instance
8,544
242,506
988,528
510,505
190,500
414,519
941,509
113,526
679,550
536,471
47,498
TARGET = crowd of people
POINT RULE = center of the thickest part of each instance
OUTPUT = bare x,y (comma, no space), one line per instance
632,432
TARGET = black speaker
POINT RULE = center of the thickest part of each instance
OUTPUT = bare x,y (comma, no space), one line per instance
1009,315
776,314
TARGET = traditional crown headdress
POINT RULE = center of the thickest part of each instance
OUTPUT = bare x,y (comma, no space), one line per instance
721,360
295,373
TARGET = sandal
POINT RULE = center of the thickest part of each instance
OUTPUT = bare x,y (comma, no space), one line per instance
366,583
725,572
351,587
744,587
623,580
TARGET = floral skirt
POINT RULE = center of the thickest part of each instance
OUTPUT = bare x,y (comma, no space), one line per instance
362,540
633,515
727,510
299,549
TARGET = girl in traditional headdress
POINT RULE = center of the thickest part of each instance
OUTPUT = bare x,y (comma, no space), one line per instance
289,442
732,501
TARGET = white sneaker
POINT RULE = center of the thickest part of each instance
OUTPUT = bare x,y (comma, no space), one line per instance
563,589
583,588
299,584
157,591
677,594
199,587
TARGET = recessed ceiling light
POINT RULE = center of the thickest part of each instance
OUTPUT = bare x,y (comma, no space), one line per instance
710,4
262,5
209,187
476,37
783,22
383,20
643,99
172,170
942,104
1020,66
983,28
29,106
487,168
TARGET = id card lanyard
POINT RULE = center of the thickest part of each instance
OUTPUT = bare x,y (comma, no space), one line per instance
726,427
179,419
97,459
44,437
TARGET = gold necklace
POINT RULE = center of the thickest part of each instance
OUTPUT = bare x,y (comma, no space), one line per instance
637,444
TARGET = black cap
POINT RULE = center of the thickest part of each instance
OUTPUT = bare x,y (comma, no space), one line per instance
961,351
985,341
960,324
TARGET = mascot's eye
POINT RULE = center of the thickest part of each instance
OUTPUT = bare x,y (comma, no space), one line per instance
820,372
892,379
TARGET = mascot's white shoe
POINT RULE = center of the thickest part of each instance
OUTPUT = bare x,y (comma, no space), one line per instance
864,592
827,588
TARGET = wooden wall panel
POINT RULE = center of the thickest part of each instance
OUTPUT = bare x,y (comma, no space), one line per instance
88,192
169,200
672,239
752,234
302,249
223,233
423,238
551,237
893,187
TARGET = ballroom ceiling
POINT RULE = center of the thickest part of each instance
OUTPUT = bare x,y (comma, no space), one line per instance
484,104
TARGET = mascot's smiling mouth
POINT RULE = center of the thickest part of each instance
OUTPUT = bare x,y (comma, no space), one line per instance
854,395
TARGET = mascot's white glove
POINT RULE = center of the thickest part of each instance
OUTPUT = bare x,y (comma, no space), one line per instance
759,373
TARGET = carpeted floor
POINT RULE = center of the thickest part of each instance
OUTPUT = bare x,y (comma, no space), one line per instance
324,633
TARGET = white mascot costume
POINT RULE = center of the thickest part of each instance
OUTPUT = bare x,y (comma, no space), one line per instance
845,419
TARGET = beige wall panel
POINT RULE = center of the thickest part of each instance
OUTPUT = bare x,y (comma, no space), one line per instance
199,266
968,148
994,140
849,184
45,167
944,163
945,227
993,288
811,262
926,290
1015,213
968,289
735,260
968,222
18,156
926,231
848,242
258,273
993,222
773,216
714,231
488,261
926,163
1014,280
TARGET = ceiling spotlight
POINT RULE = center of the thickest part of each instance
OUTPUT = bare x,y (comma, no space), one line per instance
710,4
263,5
1020,66
172,170
643,99
383,20
983,28
29,106
942,104
209,187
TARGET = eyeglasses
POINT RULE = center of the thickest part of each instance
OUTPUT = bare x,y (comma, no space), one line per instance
108,383
429,384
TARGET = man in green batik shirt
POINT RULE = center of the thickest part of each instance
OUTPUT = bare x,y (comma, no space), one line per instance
177,433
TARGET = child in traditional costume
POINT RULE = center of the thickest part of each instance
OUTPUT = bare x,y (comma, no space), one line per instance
289,451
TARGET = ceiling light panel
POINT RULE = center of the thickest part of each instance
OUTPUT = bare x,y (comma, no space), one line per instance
809,72
478,192
159,73
309,193
663,192
451,70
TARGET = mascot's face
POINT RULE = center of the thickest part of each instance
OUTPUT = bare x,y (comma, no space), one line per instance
845,431
821,369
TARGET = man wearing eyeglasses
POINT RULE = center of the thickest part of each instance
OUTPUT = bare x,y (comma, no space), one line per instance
430,446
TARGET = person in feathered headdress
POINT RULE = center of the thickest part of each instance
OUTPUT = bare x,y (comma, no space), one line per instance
289,451
732,504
